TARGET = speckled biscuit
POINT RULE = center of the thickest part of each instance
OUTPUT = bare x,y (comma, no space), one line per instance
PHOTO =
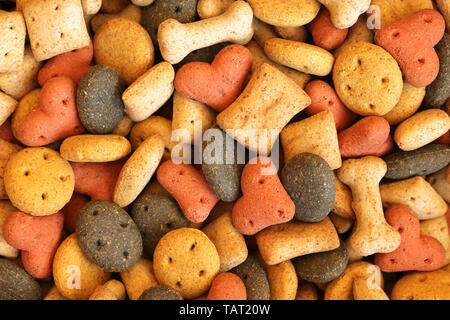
271,111
150,126
262,32
316,134
149,92
438,229
111,290
285,13
283,281
188,114
16,283
138,170
343,200
27,104
259,57
421,129
282,242
155,215
419,162
6,250
212,8
300,56
342,287
416,193
367,79
160,293
161,10
75,276
12,40
38,181
292,33
423,286
95,148
322,267
18,83
230,244
254,277
393,11
359,32
440,184
55,27
125,46
99,103
108,236
131,12
6,150
7,106
186,260
139,278
344,14
409,103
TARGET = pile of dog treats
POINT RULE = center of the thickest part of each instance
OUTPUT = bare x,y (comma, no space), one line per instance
224,150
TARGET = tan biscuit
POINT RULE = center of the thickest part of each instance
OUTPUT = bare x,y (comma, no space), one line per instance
344,14
142,3
359,32
440,184
18,83
12,40
316,134
212,8
342,287
372,233
55,27
193,116
263,32
138,170
423,286
177,40
410,101
91,6
186,260
362,290
7,106
54,294
95,148
444,8
421,129
38,181
292,33
6,150
416,193
342,225
259,57
149,92
76,277
131,12
285,13
124,126
139,278
307,291
367,79
283,281
114,6
393,11
111,290
230,244
153,125
27,104
300,56
343,201
282,242
438,229
6,250
269,102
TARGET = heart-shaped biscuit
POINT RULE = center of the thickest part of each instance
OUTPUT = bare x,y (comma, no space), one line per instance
217,84
416,251
265,202
37,237
57,115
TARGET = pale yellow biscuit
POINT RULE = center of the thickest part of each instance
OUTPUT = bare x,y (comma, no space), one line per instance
12,40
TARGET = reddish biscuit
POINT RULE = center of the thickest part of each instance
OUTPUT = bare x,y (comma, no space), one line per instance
227,286
71,209
324,33
72,64
189,187
444,139
96,179
385,148
264,202
410,41
37,237
323,97
365,137
57,115
416,251
6,132
217,84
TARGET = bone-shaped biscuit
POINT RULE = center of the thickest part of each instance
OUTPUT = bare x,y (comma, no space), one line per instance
177,40
344,14
372,233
